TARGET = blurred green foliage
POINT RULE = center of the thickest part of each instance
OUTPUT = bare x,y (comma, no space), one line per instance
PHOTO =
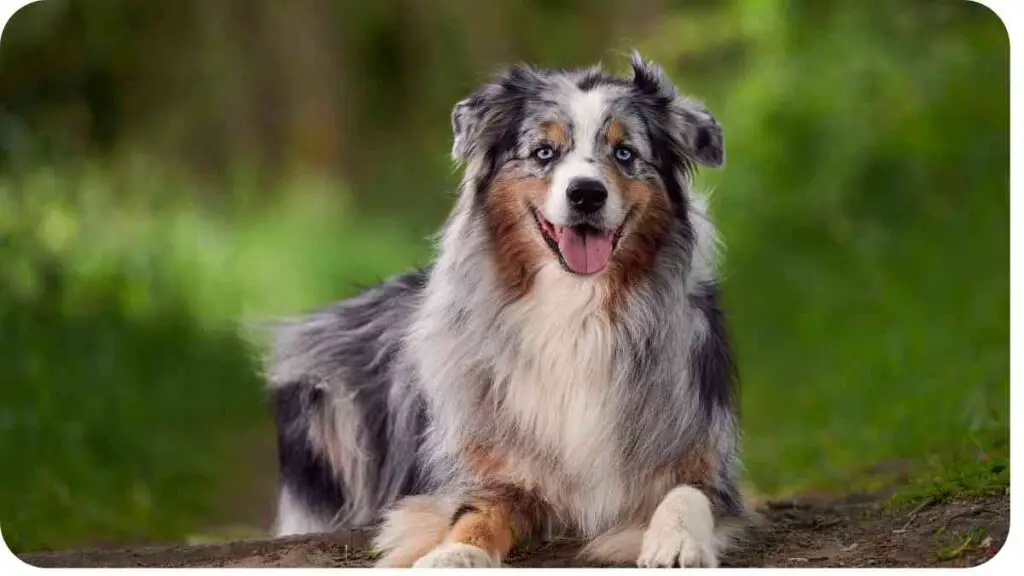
130,388
170,172
866,206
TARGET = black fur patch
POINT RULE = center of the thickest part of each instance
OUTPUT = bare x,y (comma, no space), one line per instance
590,81
462,511
717,376
497,150
303,472
654,113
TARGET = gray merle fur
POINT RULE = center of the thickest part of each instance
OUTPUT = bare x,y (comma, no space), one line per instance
374,396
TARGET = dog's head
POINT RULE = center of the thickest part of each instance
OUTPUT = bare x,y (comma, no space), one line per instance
581,167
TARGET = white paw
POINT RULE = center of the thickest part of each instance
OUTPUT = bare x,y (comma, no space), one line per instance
681,532
672,546
456,555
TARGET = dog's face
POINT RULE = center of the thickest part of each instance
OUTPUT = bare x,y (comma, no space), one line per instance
582,167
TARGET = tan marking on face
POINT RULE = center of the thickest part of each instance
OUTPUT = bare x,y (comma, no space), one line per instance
556,134
615,134
644,234
517,246
499,516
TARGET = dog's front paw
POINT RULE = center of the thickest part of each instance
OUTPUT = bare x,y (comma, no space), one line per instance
681,532
457,555
668,546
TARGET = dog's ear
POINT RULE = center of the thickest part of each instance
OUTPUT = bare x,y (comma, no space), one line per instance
700,133
466,118
692,127
473,119
492,111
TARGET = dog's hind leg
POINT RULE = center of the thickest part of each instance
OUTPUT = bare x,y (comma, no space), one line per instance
327,463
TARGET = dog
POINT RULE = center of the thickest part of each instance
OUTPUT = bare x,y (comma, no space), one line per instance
562,367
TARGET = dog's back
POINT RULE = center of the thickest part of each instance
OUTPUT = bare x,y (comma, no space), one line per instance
348,419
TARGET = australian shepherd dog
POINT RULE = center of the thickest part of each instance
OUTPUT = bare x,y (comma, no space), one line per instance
562,366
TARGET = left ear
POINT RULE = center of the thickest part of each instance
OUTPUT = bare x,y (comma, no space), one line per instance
692,127
699,132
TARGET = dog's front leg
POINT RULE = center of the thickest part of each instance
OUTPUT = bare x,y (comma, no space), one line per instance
681,532
484,530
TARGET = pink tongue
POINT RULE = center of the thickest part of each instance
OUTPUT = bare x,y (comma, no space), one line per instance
585,252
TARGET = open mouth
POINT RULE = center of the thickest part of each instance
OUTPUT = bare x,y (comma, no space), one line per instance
582,248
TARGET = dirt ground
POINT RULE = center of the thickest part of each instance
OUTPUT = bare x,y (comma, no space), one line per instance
856,531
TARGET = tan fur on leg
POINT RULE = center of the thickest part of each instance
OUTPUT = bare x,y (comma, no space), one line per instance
486,528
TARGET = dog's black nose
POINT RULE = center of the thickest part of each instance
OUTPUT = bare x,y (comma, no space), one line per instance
587,195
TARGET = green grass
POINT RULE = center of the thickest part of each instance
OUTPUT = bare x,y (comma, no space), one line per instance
962,543
955,479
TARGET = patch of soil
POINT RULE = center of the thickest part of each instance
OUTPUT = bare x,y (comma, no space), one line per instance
860,532
856,531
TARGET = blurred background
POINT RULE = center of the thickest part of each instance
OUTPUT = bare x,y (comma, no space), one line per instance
170,171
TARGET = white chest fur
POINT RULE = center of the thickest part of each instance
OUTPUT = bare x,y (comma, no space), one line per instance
559,389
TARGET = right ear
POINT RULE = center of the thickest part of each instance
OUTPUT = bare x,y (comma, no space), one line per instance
465,126
489,112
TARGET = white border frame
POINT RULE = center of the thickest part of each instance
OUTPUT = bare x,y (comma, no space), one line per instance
1012,552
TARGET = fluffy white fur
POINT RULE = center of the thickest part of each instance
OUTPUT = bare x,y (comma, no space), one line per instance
457,555
682,530
294,518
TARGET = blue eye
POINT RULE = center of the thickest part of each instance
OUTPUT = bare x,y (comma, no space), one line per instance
544,153
623,154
